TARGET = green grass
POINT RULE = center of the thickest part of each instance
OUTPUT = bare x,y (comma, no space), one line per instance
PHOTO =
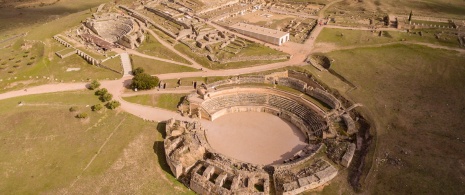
45,148
154,48
152,66
166,101
252,49
360,38
415,96
46,67
114,63
202,60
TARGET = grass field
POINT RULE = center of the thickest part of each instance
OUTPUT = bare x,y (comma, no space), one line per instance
154,48
45,149
428,8
45,20
165,101
152,66
44,67
417,105
342,37
255,49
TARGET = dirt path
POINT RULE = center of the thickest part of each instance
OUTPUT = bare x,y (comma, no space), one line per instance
133,52
170,47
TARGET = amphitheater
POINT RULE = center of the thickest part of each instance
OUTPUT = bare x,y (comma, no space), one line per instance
114,28
307,131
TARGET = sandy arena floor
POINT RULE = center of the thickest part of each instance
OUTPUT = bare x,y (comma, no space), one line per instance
254,137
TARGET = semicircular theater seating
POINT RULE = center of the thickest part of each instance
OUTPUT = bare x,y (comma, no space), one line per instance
308,117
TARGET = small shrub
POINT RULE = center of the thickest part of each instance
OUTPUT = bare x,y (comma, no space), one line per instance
11,71
18,61
25,56
106,97
15,66
12,58
82,115
100,92
32,58
96,107
112,105
30,63
94,85
3,63
73,109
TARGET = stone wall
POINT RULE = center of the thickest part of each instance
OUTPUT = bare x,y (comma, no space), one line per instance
296,180
325,97
167,17
254,58
350,123
87,57
148,21
292,83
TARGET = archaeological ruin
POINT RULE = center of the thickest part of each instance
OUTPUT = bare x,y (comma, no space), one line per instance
330,134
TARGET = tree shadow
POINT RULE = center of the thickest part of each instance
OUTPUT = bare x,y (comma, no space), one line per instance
127,83
159,150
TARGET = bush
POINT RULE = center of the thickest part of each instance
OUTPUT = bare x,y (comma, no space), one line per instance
106,97
94,85
30,63
101,92
112,105
82,115
96,107
73,109
144,81
137,71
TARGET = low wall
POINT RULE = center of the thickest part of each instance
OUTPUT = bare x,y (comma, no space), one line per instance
254,58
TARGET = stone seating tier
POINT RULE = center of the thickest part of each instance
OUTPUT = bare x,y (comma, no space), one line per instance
220,102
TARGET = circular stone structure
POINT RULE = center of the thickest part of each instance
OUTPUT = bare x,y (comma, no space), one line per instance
255,137
248,138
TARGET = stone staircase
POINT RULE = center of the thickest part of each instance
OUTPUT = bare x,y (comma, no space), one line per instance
126,62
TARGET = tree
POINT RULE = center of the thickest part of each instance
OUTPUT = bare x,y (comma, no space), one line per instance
73,109
144,81
82,115
106,97
137,71
96,107
112,105
100,92
94,85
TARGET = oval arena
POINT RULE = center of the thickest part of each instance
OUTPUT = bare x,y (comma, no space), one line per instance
283,126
